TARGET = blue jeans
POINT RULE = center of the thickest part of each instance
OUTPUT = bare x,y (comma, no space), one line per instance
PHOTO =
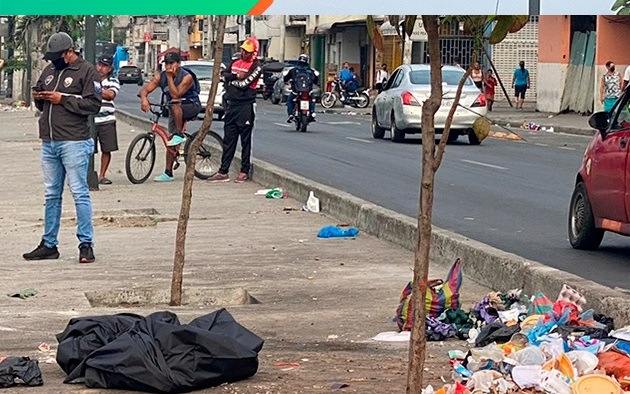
61,159
291,104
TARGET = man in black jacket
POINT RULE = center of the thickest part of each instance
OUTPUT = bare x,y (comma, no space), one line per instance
67,92
240,81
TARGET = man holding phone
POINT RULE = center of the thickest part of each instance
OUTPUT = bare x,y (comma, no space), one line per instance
67,93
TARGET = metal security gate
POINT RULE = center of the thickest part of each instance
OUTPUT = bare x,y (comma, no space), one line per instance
454,46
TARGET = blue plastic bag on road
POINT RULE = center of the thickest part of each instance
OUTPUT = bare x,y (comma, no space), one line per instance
337,232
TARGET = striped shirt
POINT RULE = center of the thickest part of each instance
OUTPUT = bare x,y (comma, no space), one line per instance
107,113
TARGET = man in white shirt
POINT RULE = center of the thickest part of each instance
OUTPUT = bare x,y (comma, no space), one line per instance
105,120
382,76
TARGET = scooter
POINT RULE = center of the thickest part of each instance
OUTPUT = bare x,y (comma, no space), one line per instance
302,114
357,99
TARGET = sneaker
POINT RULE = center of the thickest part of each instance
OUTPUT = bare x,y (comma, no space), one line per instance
86,254
176,140
42,252
105,181
290,119
164,177
242,177
218,177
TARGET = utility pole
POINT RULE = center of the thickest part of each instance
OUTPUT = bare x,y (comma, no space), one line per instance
90,56
534,7
283,32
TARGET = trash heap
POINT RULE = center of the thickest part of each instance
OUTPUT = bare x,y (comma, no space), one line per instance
534,345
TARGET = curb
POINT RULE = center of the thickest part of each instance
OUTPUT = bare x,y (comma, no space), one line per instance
344,111
486,265
515,124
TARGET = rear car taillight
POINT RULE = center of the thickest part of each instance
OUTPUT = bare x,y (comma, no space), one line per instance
480,101
408,99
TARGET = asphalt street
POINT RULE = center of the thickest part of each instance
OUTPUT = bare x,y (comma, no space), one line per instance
513,195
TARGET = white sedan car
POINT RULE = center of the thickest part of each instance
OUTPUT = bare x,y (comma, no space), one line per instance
203,70
398,108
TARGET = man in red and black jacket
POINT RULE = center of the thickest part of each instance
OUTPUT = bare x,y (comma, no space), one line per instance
240,81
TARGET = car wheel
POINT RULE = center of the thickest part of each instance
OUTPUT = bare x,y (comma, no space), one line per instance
452,136
473,139
377,131
397,134
582,231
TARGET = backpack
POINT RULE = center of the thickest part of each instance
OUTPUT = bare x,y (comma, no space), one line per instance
303,80
196,85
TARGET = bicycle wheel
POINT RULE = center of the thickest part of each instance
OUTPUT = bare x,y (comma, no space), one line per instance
140,158
208,155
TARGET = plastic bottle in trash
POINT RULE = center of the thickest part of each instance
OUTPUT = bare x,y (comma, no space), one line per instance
312,203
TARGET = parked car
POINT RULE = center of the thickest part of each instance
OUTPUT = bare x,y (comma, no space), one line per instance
203,70
281,89
130,74
601,197
398,107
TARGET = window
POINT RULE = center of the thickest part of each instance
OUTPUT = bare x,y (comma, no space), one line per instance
203,72
391,80
450,77
621,114
397,79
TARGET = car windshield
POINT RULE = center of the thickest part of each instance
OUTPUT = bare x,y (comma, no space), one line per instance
202,71
128,68
450,77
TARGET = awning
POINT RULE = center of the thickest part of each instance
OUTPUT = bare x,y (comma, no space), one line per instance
350,20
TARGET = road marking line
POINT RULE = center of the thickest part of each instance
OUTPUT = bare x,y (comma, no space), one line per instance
345,122
566,148
283,125
539,144
484,164
360,140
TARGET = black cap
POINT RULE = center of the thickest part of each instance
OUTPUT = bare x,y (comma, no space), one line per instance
106,60
57,44
172,57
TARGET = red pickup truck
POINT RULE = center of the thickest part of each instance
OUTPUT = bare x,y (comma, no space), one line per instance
601,198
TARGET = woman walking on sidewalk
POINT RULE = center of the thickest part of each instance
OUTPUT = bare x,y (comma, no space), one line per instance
610,86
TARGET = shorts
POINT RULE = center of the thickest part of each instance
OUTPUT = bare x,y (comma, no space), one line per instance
190,111
107,137
519,91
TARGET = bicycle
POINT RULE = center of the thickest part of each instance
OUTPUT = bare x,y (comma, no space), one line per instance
140,158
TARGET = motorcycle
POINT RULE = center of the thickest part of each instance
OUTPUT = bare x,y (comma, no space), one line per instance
302,114
357,99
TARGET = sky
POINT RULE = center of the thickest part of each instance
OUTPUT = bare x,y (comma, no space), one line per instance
432,7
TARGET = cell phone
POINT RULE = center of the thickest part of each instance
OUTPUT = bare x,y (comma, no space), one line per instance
37,88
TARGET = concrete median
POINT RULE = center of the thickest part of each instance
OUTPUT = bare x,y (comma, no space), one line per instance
484,264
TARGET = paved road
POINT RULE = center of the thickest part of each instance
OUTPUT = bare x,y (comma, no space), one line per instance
509,194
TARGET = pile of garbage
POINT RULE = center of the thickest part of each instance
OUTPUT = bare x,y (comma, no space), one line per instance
14,106
534,345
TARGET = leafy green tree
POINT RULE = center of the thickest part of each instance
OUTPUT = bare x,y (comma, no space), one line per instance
621,7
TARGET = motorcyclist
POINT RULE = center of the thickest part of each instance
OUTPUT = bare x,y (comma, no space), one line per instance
295,76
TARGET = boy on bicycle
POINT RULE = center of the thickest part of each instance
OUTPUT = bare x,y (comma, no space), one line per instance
178,86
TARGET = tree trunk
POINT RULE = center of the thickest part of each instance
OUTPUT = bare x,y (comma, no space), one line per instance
184,214
417,346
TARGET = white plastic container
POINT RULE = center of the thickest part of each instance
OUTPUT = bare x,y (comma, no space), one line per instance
312,203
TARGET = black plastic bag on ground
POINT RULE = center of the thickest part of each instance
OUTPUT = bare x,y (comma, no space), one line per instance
158,354
496,332
15,370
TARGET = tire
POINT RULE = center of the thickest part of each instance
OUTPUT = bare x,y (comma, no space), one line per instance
452,137
329,100
377,131
397,134
303,122
208,155
140,158
473,139
364,102
582,231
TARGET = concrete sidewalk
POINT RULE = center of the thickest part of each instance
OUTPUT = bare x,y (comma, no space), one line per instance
320,300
